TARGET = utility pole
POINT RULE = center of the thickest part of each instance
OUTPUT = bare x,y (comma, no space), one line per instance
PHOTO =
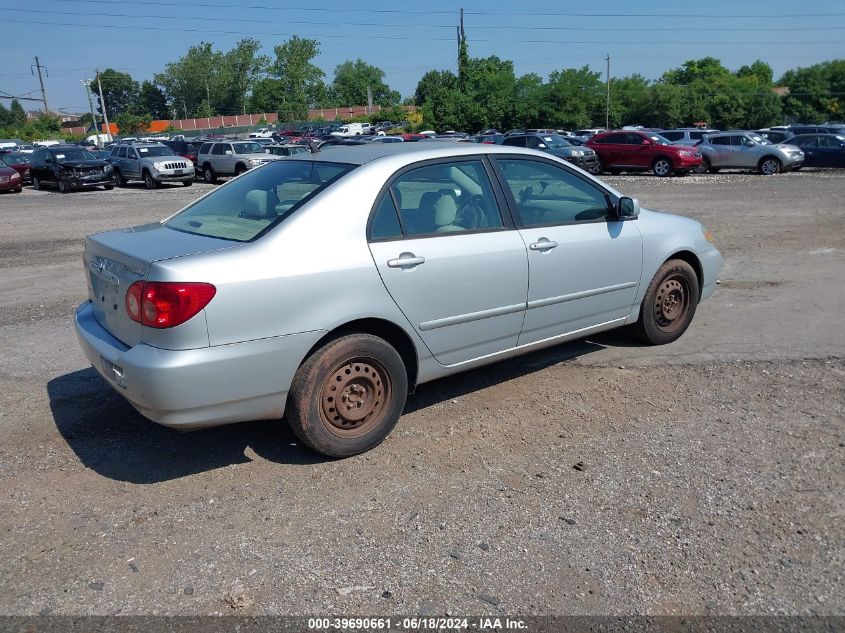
369,100
103,104
87,85
607,105
41,81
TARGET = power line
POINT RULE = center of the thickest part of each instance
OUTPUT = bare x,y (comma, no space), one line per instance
406,38
574,14
743,29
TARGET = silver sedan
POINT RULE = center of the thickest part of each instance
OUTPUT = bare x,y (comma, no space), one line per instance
321,288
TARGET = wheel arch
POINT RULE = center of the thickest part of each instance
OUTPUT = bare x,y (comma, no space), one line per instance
692,259
766,157
665,157
384,329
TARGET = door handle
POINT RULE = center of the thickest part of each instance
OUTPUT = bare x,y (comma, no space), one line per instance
405,260
543,244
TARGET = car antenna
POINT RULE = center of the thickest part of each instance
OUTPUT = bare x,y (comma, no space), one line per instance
315,149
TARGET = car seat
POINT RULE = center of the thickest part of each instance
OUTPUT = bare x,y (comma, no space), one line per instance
445,213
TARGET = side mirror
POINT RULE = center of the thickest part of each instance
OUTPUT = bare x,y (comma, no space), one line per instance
542,146
229,152
627,208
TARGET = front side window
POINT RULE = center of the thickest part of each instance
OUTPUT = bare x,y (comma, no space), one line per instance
546,194
634,139
676,136
244,208
450,197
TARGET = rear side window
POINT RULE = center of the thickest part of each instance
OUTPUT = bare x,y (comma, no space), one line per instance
220,149
205,148
617,139
261,198
720,140
517,141
696,136
385,224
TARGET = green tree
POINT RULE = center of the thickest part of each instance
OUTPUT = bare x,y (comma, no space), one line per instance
630,100
242,68
528,98
351,80
5,117
17,115
297,81
197,77
151,100
119,91
131,124
574,98
816,93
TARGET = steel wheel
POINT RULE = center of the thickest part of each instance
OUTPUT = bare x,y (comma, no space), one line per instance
671,304
770,166
354,397
347,396
662,167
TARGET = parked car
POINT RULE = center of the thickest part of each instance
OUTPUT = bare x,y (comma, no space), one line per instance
820,150
556,145
795,130
490,139
774,136
746,150
20,163
230,158
350,129
641,151
227,311
589,132
285,150
153,163
68,167
263,132
388,139
185,149
687,136
10,178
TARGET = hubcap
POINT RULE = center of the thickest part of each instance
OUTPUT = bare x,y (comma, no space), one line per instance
769,167
662,167
355,396
671,303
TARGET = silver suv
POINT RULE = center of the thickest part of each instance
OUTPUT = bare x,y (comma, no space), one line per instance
686,135
230,158
154,163
747,150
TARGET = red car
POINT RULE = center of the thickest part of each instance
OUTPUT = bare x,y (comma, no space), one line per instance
10,179
20,163
632,150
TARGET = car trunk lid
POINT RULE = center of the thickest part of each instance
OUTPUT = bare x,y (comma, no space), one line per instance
114,260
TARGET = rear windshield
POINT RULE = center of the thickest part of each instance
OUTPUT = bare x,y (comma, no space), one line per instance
15,159
244,208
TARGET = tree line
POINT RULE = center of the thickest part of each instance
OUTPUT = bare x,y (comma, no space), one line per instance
484,92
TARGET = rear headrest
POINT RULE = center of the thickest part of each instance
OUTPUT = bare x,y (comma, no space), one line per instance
445,211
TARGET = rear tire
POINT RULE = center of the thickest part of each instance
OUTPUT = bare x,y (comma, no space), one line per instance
348,395
662,167
669,303
703,168
118,178
598,167
36,184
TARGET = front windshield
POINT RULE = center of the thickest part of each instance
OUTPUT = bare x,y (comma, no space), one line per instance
15,159
554,140
660,140
65,155
146,152
244,208
248,148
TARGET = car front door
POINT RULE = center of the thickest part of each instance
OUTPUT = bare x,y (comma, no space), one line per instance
637,151
455,265
132,164
584,264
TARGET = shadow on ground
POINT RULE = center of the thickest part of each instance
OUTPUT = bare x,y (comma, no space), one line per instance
117,442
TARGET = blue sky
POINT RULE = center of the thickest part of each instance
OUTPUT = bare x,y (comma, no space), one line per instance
73,37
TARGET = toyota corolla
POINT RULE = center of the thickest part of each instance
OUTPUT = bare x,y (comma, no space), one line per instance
321,288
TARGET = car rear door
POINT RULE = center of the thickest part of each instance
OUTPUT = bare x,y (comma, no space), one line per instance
809,145
584,265
450,260
720,156
829,151
613,149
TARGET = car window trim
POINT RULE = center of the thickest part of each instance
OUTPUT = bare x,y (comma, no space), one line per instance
507,220
514,209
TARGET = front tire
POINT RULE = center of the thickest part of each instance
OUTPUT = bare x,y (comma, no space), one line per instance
662,167
149,181
208,175
348,395
63,187
669,303
769,166
108,187
187,183
36,184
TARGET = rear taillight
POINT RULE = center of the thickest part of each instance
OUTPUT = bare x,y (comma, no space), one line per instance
163,304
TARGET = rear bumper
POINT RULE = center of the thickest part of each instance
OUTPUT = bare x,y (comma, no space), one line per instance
199,387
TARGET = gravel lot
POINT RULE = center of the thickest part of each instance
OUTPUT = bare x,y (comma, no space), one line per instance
703,477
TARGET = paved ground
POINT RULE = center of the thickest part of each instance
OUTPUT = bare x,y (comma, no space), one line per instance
710,472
